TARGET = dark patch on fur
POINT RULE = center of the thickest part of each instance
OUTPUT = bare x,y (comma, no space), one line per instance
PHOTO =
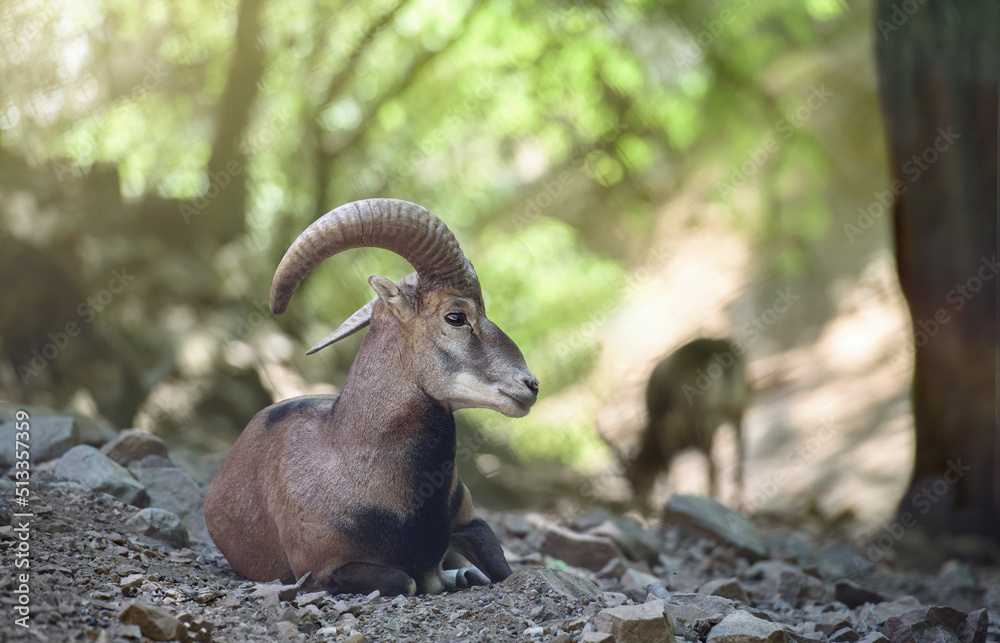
412,538
477,542
279,412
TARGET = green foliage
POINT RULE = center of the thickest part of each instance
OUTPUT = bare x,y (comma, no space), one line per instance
517,122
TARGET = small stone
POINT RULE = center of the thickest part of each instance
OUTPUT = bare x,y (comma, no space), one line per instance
374,597
944,623
97,472
287,630
743,627
707,517
174,490
154,621
547,578
159,524
597,637
844,635
876,615
726,588
831,622
517,524
579,550
646,623
614,599
708,606
853,595
130,584
133,444
49,438
873,637
636,579
355,637
614,568
311,598
207,596
308,584
630,537
955,575
534,631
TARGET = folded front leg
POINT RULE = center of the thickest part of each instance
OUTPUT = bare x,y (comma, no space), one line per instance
474,539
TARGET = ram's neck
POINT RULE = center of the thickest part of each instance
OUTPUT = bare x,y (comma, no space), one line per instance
381,400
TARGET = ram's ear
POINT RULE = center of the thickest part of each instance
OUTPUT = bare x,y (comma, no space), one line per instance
393,298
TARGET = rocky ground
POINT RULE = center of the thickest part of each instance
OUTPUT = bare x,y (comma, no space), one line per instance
116,550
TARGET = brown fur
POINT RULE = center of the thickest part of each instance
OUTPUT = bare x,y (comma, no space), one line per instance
311,482
689,395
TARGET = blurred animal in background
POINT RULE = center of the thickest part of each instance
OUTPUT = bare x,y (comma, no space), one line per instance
690,394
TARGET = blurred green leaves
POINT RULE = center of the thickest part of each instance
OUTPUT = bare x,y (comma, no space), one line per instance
593,114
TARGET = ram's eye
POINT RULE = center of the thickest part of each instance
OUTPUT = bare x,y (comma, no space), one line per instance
455,319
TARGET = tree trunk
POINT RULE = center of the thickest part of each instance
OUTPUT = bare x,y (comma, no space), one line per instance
938,64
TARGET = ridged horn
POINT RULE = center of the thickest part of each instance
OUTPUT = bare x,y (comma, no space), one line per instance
405,228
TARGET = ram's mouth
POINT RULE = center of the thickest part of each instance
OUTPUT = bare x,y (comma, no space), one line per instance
523,402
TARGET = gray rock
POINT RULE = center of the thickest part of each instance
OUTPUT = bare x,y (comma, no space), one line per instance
547,578
955,575
854,595
159,524
877,614
796,587
646,623
97,472
597,637
830,622
707,517
873,637
630,537
172,489
579,550
842,561
152,462
636,579
132,444
726,588
786,545
48,439
933,624
517,524
844,635
743,627
154,621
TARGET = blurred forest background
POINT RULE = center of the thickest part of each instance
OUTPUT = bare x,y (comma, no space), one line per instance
625,176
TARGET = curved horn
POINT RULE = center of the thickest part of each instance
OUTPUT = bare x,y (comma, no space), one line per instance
400,226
